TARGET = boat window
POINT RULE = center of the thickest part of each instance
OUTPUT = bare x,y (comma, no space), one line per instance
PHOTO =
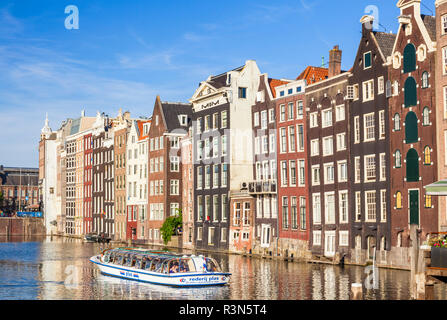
155,264
211,265
119,259
107,257
112,257
184,266
147,265
174,266
128,260
138,263
164,268
134,261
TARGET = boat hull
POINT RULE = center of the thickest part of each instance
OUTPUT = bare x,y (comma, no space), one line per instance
175,280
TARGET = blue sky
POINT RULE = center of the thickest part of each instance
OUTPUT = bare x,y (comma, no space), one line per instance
127,52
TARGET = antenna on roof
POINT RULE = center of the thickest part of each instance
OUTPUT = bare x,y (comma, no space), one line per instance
322,61
383,27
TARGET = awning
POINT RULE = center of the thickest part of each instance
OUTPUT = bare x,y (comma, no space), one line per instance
437,189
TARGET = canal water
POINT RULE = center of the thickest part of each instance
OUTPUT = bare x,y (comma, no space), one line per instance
59,269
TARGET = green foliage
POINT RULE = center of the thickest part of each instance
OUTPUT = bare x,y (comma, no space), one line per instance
170,226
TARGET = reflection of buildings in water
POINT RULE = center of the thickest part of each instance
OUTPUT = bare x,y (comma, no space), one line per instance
343,287
317,288
329,283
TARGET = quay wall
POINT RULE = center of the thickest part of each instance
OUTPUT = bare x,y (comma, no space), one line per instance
22,227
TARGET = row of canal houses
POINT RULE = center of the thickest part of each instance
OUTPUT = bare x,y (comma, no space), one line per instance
329,166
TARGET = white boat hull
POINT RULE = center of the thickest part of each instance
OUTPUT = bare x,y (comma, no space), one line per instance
195,279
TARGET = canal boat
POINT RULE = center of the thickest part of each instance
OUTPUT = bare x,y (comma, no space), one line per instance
159,267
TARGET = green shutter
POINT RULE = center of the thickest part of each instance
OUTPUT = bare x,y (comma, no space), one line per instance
411,96
409,58
411,128
414,207
412,166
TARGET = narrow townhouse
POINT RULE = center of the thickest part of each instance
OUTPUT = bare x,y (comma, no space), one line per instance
292,166
70,187
223,157
264,187
170,123
121,128
327,131
109,180
187,207
369,196
98,136
413,136
88,183
79,184
143,179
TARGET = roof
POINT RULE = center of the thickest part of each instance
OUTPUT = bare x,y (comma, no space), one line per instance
220,80
313,74
430,24
20,176
273,83
437,189
140,130
172,111
385,42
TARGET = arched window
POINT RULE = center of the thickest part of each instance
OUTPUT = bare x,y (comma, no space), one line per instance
412,166
398,200
426,117
425,82
411,96
428,202
409,58
396,122
398,159
411,128
427,155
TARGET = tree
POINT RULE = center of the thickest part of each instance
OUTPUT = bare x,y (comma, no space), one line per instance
170,226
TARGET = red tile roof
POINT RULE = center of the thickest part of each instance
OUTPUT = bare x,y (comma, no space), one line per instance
313,74
276,83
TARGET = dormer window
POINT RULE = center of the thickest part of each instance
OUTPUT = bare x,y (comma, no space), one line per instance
183,119
367,60
242,93
156,120
229,79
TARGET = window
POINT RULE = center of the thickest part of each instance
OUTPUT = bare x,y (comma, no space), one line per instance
256,119
300,137
294,213
444,24
242,93
410,92
215,208
425,81
290,111
426,117
357,129
342,171
412,161
215,121
283,140
396,122
398,200
272,143
284,173
299,109
303,220
301,173
292,140
370,168
224,207
257,145
444,60
174,187
207,177
292,173
341,141
223,119
368,90
358,206
246,214
369,134
216,176
428,202
315,175
328,146
211,235
381,85
343,206
397,159
344,238
314,147
445,102
316,210
285,212
340,113
282,115
313,120
382,167
224,178
329,202
317,238
409,58
264,120
383,205
357,169
382,126
175,164
427,156
329,173
327,118
224,145
367,60
389,89
411,128
215,147
200,208
370,199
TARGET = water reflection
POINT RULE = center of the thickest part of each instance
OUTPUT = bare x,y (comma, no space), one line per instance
49,269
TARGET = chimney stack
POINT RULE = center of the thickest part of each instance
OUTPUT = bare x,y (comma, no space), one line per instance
334,62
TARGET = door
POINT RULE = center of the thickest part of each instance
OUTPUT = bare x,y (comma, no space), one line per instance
414,207
329,248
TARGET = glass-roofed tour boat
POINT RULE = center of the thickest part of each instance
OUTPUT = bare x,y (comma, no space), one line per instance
158,267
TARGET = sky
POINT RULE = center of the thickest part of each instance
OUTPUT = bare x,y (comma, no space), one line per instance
125,53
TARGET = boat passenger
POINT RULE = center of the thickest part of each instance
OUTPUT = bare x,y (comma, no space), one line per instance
155,264
174,267
138,263
183,266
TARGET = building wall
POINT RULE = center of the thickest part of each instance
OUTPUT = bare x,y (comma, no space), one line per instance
242,207
120,183
188,192
88,183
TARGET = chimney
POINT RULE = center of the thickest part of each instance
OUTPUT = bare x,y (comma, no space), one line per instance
334,62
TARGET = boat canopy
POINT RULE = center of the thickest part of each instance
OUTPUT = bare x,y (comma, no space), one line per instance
437,189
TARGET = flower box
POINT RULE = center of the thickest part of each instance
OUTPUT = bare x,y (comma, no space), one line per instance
438,257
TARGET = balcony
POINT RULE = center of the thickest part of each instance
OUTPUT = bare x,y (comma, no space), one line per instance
262,187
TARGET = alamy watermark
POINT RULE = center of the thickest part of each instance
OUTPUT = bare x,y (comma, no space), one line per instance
72,20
